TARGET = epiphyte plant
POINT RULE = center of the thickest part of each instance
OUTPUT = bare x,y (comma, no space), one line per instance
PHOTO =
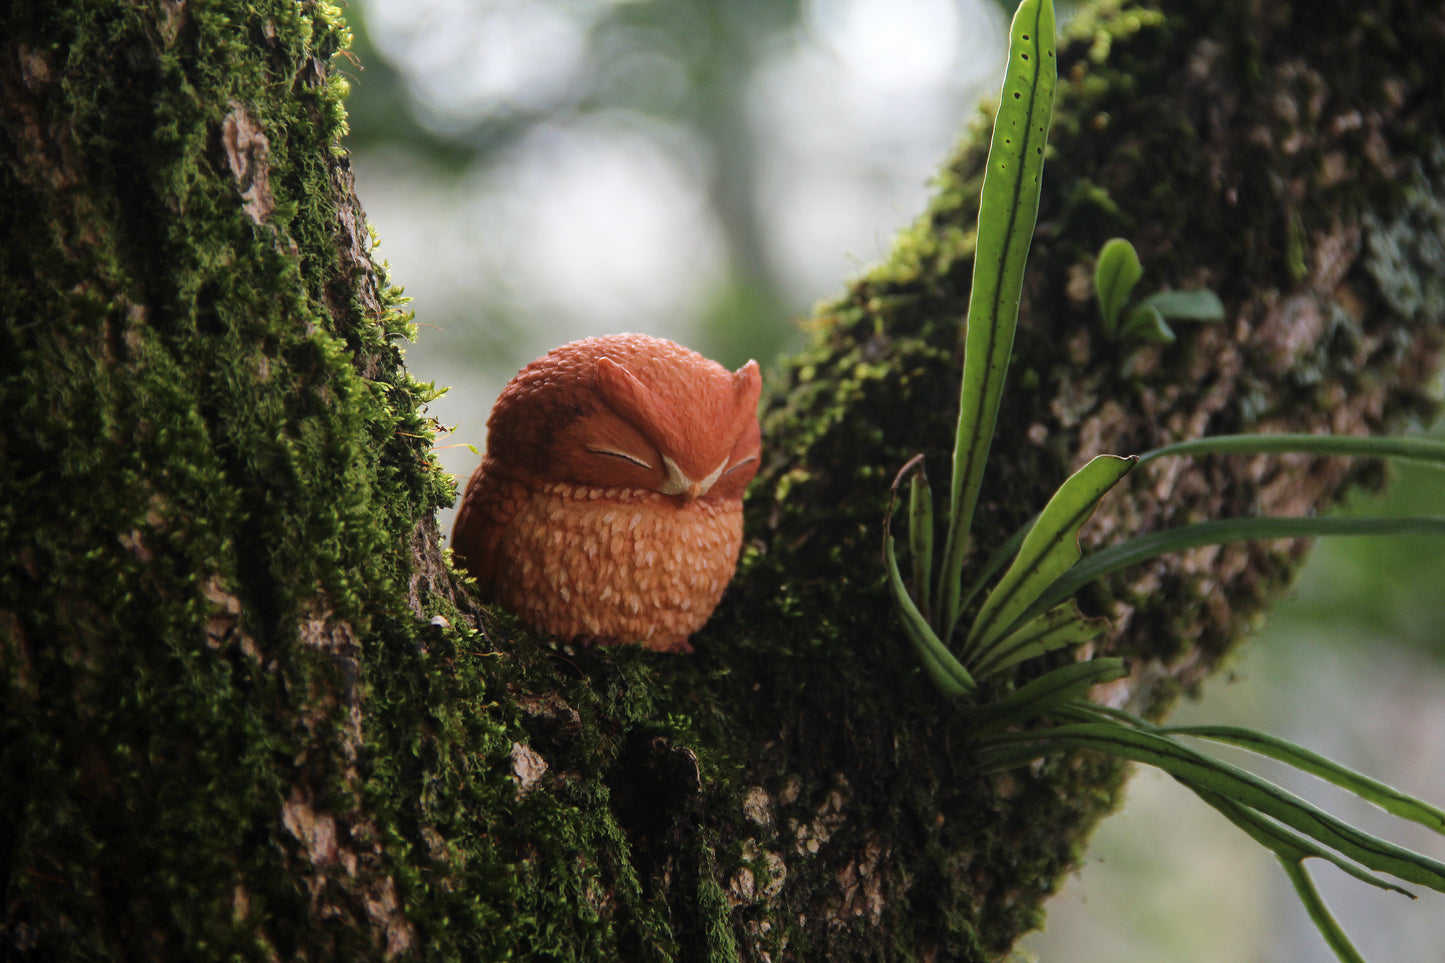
1116,273
1029,611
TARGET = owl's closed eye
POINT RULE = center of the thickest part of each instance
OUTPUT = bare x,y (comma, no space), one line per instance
608,506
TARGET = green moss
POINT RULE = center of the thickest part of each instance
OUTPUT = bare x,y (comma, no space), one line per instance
198,462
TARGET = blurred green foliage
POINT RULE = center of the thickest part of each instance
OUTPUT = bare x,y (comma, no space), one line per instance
1382,589
634,55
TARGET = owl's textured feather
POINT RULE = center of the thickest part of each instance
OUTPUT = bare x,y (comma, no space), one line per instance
609,504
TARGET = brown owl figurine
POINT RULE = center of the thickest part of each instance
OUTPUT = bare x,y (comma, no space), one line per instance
609,504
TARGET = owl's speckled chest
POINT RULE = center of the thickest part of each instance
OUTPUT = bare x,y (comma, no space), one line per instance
619,566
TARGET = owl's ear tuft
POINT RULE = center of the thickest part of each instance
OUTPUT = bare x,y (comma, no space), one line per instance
623,393
749,378
747,388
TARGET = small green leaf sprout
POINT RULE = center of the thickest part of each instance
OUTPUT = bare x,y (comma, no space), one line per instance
1117,272
1028,612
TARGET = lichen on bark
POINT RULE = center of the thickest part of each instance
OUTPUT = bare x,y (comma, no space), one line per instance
249,712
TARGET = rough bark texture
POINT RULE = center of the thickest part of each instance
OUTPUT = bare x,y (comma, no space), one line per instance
212,467
230,727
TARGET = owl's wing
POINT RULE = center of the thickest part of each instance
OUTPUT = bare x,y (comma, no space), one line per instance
487,507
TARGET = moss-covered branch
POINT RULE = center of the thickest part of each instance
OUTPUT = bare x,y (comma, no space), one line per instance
247,710
213,463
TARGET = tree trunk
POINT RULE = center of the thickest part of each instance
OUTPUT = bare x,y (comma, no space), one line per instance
248,710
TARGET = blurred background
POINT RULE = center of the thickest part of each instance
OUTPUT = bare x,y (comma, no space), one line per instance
706,170
702,170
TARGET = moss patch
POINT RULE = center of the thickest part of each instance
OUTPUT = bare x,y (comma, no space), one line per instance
211,460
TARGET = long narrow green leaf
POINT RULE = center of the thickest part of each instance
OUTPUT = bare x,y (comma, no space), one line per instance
947,673
1287,844
1219,532
996,560
1292,849
1197,769
1324,921
920,537
1391,800
1086,711
1387,798
991,759
1044,694
1058,628
1048,551
1428,450
1008,211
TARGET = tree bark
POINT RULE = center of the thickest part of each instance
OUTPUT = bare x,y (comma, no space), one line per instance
250,712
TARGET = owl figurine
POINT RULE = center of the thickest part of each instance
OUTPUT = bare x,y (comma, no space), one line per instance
608,507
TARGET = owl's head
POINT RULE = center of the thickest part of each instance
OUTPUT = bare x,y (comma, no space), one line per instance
630,411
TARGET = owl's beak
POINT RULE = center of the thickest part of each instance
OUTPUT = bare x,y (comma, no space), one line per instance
677,483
